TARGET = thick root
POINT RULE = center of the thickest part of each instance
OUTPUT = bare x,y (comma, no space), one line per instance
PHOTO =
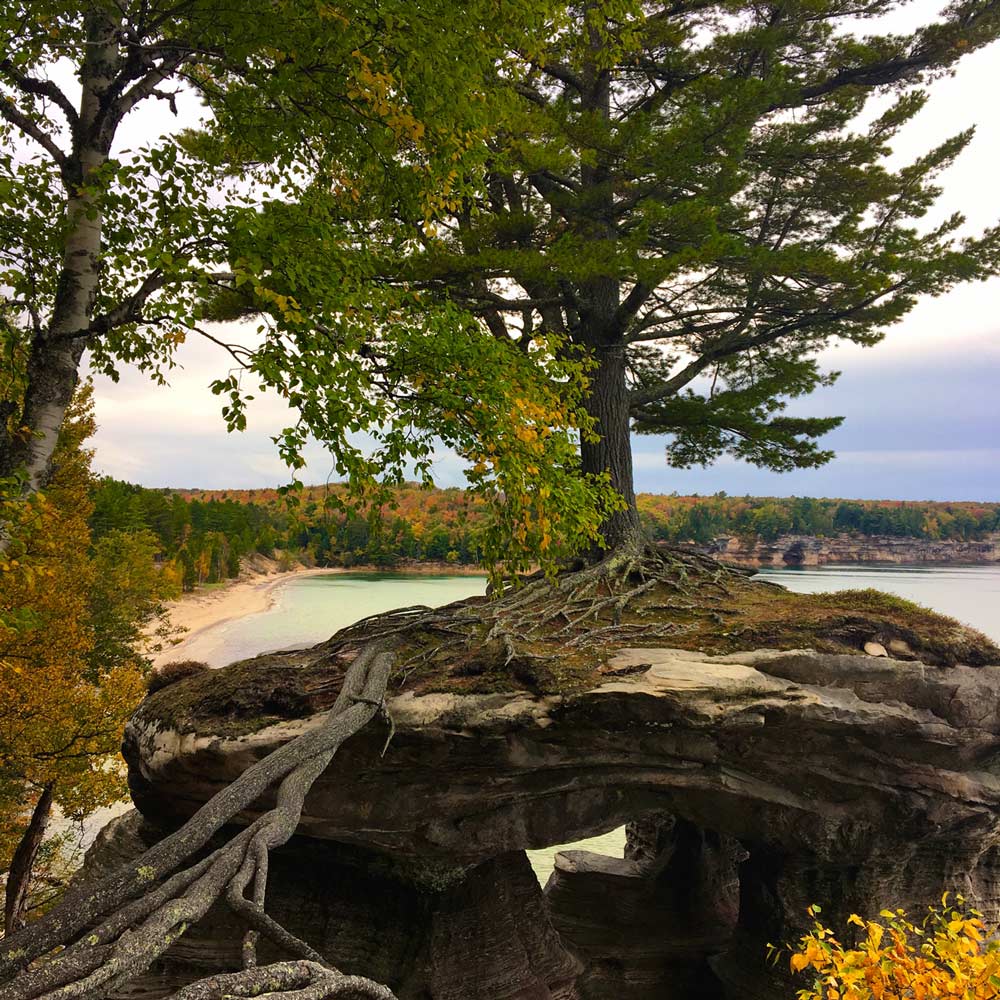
583,610
127,934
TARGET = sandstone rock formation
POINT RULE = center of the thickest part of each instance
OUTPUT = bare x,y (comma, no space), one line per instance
643,925
430,929
810,550
791,777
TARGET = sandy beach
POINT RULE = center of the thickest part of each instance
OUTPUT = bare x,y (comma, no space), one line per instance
203,611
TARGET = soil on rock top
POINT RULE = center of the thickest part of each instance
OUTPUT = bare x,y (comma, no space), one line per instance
552,637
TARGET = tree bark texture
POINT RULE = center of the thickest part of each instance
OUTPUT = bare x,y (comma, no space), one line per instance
23,863
56,350
135,914
608,403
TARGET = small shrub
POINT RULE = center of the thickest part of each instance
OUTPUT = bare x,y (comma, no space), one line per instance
171,673
948,955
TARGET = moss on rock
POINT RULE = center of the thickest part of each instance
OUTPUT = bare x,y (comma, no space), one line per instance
714,611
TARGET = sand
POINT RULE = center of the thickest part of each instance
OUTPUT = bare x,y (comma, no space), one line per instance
200,613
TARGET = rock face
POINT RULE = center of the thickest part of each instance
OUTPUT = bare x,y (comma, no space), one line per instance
644,925
852,781
430,931
810,550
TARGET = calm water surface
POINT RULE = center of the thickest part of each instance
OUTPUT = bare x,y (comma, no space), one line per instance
969,593
311,609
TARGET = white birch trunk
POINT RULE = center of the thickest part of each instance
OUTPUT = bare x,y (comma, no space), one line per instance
53,371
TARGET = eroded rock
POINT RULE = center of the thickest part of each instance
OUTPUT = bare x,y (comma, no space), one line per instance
817,750
852,781
646,925
429,930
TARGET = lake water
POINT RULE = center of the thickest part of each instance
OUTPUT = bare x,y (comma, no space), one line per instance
310,609
969,593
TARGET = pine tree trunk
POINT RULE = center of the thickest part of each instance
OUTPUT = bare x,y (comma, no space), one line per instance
608,403
23,863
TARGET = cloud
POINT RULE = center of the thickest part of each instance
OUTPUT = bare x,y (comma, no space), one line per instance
921,424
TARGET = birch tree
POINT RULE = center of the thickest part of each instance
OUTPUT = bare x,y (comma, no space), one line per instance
126,253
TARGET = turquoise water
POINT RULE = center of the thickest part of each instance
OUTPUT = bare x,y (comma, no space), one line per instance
310,609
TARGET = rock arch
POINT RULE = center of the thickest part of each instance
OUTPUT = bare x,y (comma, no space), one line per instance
847,780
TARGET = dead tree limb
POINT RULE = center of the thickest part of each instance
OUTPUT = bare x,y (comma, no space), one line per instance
129,920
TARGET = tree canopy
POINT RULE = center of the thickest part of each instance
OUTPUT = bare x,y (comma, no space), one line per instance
700,196
613,211
126,253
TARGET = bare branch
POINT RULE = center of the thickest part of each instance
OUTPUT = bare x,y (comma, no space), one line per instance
563,73
632,303
40,88
147,85
16,117
128,311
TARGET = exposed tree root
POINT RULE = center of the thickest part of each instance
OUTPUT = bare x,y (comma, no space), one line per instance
301,980
581,611
127,920
104,934
111,931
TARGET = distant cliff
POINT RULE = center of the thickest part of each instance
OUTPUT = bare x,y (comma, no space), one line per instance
809,550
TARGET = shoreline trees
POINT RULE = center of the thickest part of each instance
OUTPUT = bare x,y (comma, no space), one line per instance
73,618
211,527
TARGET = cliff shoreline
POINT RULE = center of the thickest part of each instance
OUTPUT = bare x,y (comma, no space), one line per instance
811,550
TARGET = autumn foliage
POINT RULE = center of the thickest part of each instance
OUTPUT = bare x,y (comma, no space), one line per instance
952,954
70,670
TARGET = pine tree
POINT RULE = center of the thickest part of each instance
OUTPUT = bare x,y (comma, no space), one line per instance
687,193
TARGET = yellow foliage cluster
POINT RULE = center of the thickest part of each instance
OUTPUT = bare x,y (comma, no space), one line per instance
61,719
379,90
950,955
534,470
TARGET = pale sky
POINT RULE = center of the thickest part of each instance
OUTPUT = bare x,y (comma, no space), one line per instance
922,408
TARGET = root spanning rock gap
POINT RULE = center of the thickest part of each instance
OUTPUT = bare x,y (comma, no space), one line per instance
589,699
559,636
122,936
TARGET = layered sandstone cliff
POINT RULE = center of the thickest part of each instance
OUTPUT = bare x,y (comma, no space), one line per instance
810,550
756,782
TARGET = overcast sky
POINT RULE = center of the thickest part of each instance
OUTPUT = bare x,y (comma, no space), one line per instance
922,408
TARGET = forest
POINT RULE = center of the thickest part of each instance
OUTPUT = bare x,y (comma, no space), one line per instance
203,534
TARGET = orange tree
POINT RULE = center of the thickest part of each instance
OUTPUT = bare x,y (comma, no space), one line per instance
67,681
951,954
